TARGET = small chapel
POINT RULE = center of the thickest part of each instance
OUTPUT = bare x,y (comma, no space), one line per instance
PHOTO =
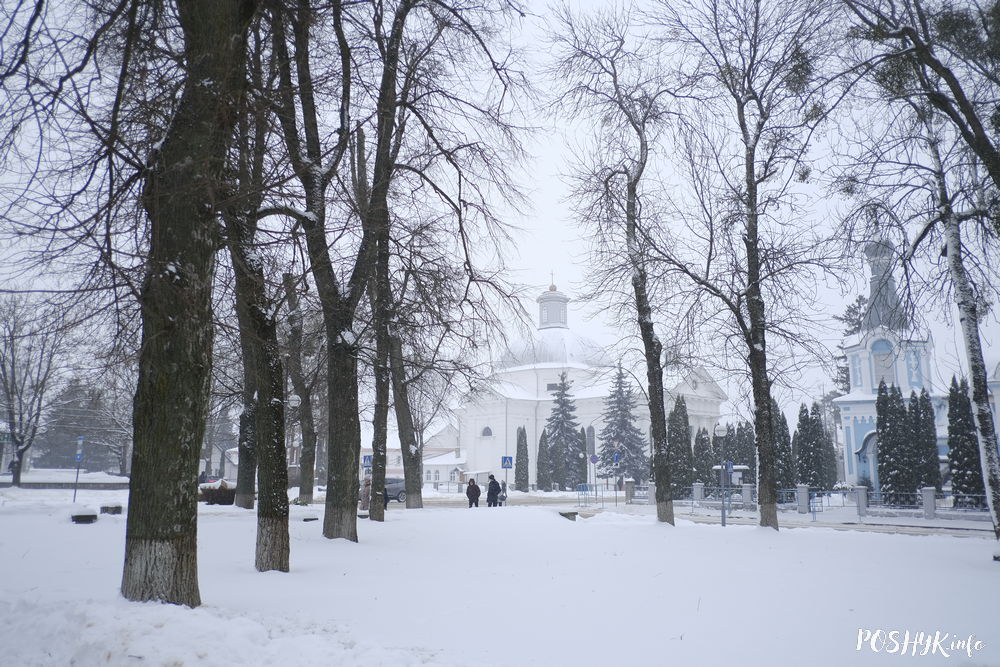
888,349
519,394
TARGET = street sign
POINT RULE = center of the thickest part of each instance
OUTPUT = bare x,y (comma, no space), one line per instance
617,457
506,461
79,449
594,458
366,462
729,467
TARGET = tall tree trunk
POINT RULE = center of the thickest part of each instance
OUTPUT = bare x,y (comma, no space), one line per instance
172,396
246,471
968,315
412,450
307,420
767,495
340,519
263,369
653,351
378,293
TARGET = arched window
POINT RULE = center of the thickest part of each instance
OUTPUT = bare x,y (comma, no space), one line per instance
427,475
487,432
883,363
437,475
453,476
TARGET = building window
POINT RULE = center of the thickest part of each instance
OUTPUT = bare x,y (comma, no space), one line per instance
437,475
883,363
427,475
855,371
552,386
487,432
399,460
545,314
591,441
453,476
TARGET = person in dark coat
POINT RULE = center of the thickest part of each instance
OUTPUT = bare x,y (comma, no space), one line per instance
492,492
472,492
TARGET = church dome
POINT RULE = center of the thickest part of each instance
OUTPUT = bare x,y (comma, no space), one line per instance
555,343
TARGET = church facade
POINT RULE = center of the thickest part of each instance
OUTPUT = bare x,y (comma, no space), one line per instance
883,350
519,395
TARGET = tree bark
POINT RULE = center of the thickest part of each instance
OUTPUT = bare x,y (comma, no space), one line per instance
171,400
653,350
412,451
767,496
307,420
968,315
340,517
378,291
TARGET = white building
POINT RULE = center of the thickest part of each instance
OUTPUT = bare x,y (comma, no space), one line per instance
519,394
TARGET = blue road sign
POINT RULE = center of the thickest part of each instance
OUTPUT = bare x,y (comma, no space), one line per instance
594,458
366,462
506,461
729,466
617,457
79,448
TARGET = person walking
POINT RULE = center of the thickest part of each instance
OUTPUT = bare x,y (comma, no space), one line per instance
493,492
472,492
503,492
366,494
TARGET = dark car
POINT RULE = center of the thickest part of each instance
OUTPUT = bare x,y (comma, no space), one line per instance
396,488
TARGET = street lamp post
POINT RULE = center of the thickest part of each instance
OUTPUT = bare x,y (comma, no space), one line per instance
720,431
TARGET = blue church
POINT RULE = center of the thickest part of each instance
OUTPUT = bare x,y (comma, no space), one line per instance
885,349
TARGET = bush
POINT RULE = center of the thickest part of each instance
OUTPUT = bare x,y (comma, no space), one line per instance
218,495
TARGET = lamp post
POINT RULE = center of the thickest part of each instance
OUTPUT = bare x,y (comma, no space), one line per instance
720,431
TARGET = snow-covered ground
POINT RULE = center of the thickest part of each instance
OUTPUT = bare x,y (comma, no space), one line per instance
517,585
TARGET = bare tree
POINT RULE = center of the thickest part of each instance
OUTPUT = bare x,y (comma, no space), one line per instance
950,49
171,400
754,69
615,80
32,343
921,179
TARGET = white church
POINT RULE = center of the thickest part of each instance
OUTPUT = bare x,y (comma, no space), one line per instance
519,394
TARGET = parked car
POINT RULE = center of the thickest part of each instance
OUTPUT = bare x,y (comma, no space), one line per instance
396,487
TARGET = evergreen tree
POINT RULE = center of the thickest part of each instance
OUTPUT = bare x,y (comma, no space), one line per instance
921,412
826,452
784,461
521,460
703,458
745,451
543,464
805,455
896,468
679,449
620,435
963,448
563,439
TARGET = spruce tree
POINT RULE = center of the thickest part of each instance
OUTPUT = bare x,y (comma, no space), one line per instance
703,458
563,438
926,440
826,453
521,460
896,469
543,464
679,450
804,445
745,453
784,461
963,449
620,435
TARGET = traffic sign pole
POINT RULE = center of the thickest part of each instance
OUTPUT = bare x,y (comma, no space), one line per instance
79,458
